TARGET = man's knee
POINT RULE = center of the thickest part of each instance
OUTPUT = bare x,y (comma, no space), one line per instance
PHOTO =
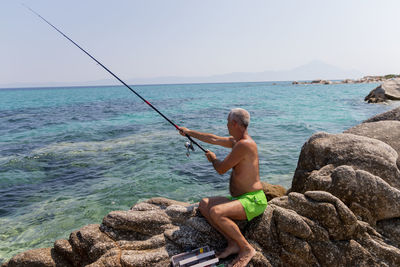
215,212
203,206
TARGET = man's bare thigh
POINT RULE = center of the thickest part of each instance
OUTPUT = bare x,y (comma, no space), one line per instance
232,209
212,201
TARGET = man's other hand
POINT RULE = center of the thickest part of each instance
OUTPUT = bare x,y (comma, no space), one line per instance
211,156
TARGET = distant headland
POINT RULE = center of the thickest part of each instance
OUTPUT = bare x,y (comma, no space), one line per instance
365,79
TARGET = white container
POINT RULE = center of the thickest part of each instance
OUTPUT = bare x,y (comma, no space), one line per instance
200,257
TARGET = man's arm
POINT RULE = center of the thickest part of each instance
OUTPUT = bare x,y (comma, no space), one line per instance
233,158
208,138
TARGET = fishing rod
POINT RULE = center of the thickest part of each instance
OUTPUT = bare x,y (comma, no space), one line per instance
188,145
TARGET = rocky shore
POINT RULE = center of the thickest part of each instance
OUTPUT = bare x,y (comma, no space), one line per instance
366,79
388,90
343,209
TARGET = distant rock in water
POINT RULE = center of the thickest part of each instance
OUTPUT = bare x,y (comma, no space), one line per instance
343,210
316,82
388,90
321,82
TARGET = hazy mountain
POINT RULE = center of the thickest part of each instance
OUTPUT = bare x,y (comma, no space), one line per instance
310,71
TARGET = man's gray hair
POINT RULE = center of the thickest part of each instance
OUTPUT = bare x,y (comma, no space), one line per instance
240,115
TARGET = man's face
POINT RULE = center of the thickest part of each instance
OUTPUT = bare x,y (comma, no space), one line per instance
229,125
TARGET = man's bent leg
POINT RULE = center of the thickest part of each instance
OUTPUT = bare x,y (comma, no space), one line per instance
223,215
205,205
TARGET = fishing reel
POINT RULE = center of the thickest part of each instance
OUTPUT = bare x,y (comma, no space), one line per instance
189,146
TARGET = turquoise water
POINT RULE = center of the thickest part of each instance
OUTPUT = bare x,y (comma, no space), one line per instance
68,156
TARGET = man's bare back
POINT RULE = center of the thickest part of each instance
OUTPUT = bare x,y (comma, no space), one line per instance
245,175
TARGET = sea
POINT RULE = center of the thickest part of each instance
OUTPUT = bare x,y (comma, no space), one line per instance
70,155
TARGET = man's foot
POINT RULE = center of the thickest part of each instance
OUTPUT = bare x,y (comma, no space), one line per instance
232,248
243,258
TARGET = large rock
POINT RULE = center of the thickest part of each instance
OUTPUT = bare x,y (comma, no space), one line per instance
150,223
388,90
391,115
323,152
387,131
390,230
318,229
89,244
272,191
42,257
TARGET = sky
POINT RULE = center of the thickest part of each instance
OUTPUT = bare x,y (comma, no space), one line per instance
156,38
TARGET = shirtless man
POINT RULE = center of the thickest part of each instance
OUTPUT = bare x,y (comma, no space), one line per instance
247,198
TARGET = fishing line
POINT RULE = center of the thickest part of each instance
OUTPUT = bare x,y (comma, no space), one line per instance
190,146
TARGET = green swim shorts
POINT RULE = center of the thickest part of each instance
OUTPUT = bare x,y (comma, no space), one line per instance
254,203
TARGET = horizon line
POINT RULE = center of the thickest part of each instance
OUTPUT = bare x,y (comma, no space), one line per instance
155,84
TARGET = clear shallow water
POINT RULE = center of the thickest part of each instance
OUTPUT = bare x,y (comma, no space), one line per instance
68,156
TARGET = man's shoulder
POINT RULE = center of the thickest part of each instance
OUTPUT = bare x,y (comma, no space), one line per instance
245,143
